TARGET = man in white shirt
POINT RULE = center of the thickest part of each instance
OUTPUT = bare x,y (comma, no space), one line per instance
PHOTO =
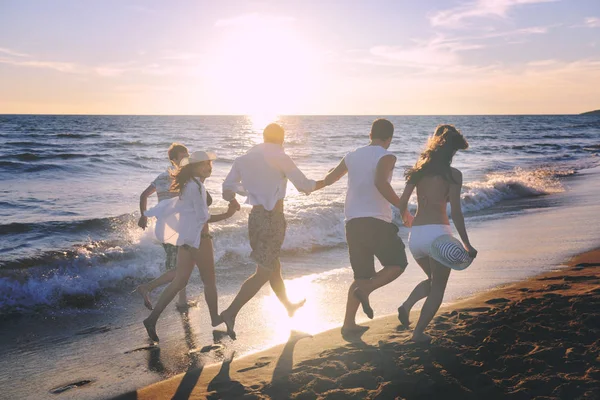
261,175
162,187
370,232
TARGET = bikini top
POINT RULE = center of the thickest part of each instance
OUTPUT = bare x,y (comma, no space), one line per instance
209,198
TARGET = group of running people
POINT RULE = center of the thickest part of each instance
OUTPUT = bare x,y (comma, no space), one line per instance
261,175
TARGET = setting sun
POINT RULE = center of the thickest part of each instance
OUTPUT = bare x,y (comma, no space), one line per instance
263,67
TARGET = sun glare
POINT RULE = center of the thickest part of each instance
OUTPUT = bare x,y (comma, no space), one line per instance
263,69
308,319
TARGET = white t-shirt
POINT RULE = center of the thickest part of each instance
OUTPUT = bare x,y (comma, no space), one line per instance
362,198
262,174
162,184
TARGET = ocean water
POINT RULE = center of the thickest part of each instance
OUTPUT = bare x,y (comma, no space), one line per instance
69,190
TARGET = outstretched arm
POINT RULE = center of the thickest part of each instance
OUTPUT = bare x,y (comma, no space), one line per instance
143,221
333,175
456,211
233,184
385,166
234,206
297,177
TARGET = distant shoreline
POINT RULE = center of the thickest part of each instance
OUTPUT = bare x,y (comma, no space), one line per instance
595,112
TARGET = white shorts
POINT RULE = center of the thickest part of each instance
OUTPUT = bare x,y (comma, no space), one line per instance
421,237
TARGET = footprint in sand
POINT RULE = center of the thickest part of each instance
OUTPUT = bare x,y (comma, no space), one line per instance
208,348
581,278
258,364
69,386
477,309
148,347
585,265
498,300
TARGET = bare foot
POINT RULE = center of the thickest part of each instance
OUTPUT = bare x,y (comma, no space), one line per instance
421,337
151,329
354,329
216,321
143,291
403,316
364,302
293,307
229,323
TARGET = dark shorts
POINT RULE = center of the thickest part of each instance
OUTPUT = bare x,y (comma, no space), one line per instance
369,238
171,255
266,230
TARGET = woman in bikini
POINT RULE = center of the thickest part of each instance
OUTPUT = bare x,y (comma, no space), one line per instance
437,183
183,221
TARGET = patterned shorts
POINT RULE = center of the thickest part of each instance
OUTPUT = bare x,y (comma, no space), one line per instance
171,255
266,230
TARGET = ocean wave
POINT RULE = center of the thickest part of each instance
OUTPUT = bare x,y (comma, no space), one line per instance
58,227
519,183
28,156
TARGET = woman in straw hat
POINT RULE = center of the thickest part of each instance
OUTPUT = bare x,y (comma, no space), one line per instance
436,183
183,221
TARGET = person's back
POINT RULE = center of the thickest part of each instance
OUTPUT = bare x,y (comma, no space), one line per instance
437,183
370,232
162,184
432,199
363,199
262,174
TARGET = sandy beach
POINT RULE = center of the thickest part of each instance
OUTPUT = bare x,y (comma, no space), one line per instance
534,339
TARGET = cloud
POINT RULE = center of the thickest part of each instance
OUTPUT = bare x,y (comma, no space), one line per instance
454,17
440,51
253,20
592,22
54,65
12,52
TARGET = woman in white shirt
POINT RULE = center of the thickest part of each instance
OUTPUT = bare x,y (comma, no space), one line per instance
183,221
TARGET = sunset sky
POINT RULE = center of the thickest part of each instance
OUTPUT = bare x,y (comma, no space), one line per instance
292,57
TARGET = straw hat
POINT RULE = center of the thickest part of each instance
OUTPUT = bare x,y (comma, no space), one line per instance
198,156
449,251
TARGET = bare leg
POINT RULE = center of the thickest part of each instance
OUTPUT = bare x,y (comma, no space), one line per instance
145,288
247,292
185,264
419,292
366,286
439,279
204,259
278,286
182,299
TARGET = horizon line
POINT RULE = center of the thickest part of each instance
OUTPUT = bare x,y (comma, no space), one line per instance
290,115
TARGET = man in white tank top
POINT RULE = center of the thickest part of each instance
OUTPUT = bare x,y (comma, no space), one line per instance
370,232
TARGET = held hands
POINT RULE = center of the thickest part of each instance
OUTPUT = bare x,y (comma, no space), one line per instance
234,207
143,222
407,219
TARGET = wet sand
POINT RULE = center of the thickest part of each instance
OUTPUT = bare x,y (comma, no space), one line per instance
539,338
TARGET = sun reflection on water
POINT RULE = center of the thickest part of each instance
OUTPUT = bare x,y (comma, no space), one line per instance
256,123
307,319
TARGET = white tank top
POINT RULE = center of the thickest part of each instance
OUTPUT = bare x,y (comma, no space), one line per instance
363,199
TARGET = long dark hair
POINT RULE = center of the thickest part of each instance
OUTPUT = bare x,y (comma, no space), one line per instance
437,156
181,176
